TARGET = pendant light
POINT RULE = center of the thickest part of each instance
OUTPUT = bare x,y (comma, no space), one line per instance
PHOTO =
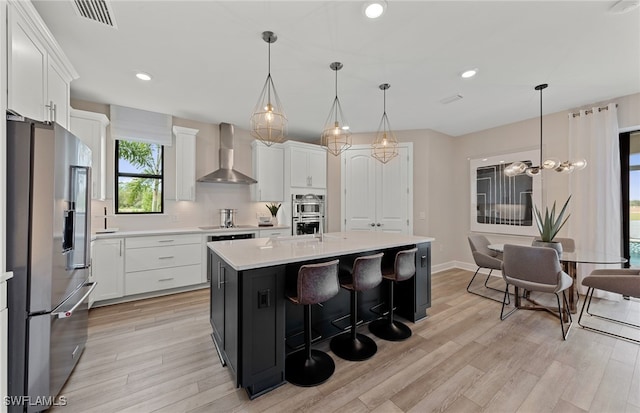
268,121
518,168
336,136
385,147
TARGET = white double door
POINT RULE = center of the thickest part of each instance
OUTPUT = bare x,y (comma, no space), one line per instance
377,196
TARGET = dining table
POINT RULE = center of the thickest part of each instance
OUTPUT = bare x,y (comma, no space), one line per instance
570,261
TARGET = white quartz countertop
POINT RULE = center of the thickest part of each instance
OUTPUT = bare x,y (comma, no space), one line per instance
242,229
248,254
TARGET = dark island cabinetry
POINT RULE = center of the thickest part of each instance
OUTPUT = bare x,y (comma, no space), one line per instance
247,317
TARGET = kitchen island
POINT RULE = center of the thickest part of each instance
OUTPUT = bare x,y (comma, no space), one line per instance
255,326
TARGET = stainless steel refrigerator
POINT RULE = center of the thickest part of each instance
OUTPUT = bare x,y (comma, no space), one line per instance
48,250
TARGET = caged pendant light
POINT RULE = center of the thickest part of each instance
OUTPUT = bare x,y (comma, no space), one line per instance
518,168
336,136
268,121
385,147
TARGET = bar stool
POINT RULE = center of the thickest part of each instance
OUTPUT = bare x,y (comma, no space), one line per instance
404,267
316,283
365,275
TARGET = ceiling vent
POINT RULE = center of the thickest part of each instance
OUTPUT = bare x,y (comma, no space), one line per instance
97,10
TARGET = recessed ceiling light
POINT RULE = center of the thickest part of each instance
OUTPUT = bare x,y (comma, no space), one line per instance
375,9
143,76
469,73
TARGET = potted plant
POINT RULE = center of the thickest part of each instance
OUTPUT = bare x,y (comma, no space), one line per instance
549,226
273,208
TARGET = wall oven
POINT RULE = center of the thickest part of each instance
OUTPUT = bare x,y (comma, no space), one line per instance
307,214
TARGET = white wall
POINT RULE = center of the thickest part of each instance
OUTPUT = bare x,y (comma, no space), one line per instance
209,197
514,137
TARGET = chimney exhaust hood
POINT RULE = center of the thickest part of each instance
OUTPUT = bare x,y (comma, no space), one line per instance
226,174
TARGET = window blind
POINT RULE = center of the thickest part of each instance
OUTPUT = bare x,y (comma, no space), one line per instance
140,125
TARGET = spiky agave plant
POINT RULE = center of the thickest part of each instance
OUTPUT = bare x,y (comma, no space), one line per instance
550,225
273,208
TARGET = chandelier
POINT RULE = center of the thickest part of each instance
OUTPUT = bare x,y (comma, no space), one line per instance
268,121
518,168
336,136
385,147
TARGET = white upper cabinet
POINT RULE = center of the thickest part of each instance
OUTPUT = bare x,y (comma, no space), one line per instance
39,74
306,165
268,169
91,128
185,163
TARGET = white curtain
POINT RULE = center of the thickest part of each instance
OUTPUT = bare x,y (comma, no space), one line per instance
595,221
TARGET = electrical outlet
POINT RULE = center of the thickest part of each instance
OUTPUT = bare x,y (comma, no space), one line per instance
174,218
422,215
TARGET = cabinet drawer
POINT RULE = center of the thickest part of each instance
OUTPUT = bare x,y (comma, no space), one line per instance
267,233
141,259
163,240
161,279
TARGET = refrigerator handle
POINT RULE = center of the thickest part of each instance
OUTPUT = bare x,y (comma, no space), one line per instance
68,230
69,312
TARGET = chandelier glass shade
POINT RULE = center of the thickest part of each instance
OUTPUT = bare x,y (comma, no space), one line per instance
336,135
269,121
385,146
518,168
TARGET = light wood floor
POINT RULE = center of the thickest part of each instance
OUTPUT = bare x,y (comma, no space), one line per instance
156,355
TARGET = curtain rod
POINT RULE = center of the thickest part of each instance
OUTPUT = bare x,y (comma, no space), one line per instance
587,112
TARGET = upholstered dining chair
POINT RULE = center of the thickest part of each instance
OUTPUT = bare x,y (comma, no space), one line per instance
484,258
622,281
535,269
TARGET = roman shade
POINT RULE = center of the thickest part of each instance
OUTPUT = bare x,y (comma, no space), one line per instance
140,125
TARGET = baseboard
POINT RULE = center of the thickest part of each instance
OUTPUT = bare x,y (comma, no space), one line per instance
463,266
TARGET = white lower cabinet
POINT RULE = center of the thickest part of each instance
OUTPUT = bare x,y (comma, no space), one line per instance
162,262
108,268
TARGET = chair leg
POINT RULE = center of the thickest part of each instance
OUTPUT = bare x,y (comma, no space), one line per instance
485,284
388,328
561,314
504,301
352,345
587,304
308,367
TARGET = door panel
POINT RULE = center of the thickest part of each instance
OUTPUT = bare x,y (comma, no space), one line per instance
392,195
360,183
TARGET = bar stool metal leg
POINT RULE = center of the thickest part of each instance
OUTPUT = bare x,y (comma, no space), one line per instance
308,367
352,345
388,328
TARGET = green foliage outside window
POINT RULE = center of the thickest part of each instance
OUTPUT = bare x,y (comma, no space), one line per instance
139,177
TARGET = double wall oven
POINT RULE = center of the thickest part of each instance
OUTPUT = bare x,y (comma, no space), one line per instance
307,214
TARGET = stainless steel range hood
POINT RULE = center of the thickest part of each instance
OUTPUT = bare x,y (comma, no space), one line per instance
226,174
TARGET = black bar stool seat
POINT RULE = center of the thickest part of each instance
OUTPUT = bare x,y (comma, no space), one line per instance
403,269
316,283
365,275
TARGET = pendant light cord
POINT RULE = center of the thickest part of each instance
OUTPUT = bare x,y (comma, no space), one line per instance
269,74
540,165
336,106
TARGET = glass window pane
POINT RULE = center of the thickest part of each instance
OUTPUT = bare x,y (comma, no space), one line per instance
139,195
139,158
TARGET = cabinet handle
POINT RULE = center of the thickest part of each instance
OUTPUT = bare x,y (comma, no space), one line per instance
165,257
221,269
378,224
372,225
52,111
120,247
165,279
166,240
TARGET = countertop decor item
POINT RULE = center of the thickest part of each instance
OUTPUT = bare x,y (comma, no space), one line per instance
550,225
385,147
273,208
268,121
336,136
519,167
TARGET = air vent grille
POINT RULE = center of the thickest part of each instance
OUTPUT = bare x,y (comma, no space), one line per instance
97,10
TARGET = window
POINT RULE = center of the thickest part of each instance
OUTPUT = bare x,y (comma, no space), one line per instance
139,171
630,168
